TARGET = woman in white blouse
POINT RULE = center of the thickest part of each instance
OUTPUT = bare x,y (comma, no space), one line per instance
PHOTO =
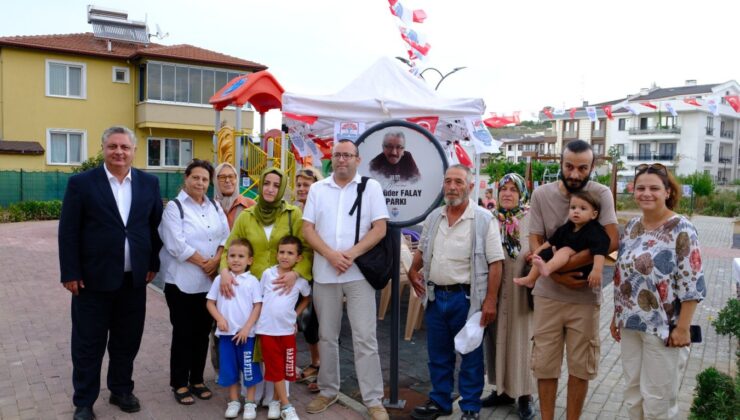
193,230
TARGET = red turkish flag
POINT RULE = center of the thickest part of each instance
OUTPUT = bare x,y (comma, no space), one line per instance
305,118
548,112
572,113
648,104
608,111
429,123
692,101
734,101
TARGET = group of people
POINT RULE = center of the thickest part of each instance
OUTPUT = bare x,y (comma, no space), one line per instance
243,271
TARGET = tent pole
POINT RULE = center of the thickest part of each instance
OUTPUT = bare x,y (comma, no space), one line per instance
476,190
216,126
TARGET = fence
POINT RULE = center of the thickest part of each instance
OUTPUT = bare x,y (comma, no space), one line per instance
17,186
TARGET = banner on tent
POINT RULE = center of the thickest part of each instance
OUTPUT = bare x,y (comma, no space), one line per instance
350,130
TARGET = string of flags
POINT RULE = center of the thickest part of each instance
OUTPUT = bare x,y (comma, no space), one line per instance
418,47
710,103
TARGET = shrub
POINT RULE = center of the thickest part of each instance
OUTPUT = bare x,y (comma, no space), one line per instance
716,396
701,183
90,163
33,210
728,319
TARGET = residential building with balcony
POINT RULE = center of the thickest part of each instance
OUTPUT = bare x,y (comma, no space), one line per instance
695,140
519,150
59,92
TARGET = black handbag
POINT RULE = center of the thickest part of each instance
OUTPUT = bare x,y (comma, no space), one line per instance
376,263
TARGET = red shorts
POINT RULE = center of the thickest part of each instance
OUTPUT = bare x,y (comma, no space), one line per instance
278,354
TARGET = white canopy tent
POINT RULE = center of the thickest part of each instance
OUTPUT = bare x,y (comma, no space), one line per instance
386,90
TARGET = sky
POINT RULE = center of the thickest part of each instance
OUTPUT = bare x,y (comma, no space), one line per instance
521,55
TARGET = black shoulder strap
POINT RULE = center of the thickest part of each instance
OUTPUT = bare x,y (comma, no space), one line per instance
182,214
358,205
179,207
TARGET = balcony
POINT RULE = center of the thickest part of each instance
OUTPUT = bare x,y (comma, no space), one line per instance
650,156
598,133
184,117
727,134
707,158
723,159
570,134
656,130
710,131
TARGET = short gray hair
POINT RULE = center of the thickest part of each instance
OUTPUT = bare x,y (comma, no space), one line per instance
468,172
118,129
398,134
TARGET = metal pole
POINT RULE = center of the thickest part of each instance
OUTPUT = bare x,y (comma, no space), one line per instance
270,152
216,127
283,151
262,125
393,401
476,190
238,139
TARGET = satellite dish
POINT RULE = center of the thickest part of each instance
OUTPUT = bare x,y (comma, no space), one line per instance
159,34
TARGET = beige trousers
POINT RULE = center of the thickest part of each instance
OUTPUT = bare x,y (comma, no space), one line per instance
652,374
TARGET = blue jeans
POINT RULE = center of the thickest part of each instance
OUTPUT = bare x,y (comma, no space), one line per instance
445,317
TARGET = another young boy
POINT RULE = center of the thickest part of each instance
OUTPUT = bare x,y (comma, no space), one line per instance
276,326
581,231
235,320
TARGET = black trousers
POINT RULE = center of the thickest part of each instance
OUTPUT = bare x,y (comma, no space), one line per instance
99,319
191,325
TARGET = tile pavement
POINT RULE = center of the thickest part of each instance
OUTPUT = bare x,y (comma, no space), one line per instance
35,366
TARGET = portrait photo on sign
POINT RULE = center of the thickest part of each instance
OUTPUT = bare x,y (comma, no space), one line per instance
406,161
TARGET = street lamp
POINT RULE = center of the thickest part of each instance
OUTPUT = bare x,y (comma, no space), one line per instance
442,76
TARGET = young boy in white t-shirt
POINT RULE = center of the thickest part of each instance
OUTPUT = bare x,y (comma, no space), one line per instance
276,326
235,321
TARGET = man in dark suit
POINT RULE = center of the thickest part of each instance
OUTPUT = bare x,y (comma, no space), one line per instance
108,252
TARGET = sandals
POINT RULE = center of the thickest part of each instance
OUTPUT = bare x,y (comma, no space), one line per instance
182,397
201,391
313,388
308,373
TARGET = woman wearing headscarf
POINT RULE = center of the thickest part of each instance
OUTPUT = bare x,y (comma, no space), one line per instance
263,225
508,345
227,194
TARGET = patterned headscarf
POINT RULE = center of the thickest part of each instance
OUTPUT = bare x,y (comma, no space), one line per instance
265,212
508,220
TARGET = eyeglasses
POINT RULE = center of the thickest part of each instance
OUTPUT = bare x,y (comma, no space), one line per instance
345,156
392,147
655,168
226,177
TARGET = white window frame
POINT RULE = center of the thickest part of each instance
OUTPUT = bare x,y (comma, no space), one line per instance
247,106
67,131
126,73
83,76
162,151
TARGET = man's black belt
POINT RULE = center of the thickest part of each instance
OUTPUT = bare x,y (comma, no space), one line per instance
452,287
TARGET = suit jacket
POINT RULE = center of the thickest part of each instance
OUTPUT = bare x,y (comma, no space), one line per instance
92,234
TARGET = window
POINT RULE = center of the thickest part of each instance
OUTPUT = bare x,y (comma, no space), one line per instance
598,149
668,122
620,150
184,84
667,151
65,147
509,148
622,124
169,152
707,152
519,147
66,79
120,75
710,125
643,123
644,152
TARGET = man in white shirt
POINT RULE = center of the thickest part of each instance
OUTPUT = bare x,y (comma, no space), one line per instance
330,231
108,252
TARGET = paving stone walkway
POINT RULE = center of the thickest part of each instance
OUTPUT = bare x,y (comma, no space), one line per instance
35,365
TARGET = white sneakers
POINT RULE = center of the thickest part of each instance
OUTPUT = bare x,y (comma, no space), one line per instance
250,411
273,412
232,409
289,413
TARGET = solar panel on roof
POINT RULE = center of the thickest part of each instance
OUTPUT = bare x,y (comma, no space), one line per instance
114,25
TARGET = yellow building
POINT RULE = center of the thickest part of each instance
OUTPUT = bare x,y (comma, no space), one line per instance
59,92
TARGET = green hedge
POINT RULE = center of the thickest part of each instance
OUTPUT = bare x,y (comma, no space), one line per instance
31,210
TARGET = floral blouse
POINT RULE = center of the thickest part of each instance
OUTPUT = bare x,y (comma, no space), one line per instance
655,269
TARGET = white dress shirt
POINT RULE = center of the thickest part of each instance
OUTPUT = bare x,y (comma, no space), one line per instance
202,229
122,195
327,207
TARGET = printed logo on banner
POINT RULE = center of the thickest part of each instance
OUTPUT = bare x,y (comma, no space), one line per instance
349,130
481,137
